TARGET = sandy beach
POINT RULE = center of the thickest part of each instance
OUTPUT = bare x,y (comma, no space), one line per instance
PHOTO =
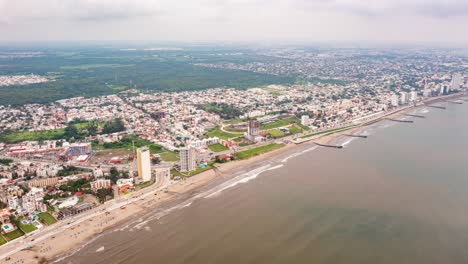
68,238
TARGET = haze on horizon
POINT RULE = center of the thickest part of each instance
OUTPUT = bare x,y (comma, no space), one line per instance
374,21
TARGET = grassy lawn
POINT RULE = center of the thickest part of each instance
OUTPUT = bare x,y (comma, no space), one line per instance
234,121
144,185
294,129
2,240
276,133
257,151
127,143
283,122
53,134
221,134
47,218
176,173
26,228
169,156
331,131
14,234
217,147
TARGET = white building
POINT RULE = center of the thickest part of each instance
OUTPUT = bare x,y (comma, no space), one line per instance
457,81
144,164
13,202
100,183
403,97
305,120
394,100
187,159
253,130
413,96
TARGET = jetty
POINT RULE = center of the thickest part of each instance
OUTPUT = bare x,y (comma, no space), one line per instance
401,121
418,116
357,136
436,106
328,146
454,102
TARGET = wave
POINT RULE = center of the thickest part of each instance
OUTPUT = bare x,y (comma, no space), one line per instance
243,179
298,154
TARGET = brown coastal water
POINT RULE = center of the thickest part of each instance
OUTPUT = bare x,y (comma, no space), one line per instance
400,196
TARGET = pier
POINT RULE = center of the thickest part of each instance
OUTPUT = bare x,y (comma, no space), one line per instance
329,146
357,136
436,106
419,116
401,121
454,102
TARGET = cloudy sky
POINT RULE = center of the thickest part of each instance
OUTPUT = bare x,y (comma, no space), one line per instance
266,21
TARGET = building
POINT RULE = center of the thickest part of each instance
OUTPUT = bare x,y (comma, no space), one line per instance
457,81
305,120
99,184
43,182
144,164
187,159
253,130
403,98
413,96
444,89
394,100
13,202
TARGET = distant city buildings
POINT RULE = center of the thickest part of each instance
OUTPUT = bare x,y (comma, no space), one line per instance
144,164
187,159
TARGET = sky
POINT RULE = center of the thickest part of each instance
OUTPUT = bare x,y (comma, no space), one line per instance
262,21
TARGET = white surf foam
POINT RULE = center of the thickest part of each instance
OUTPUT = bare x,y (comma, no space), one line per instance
298,154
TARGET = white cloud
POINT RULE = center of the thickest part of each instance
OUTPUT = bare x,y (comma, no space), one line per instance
235,20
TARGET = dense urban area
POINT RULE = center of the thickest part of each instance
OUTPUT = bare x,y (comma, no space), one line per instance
65,154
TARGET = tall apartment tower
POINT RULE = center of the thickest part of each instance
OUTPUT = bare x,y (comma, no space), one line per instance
187,159
253,130
144,164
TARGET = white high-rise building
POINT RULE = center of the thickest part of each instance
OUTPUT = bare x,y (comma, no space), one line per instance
305,120
413,96
394,100
457,81
187,159
253,130
144,164
13,202
403,97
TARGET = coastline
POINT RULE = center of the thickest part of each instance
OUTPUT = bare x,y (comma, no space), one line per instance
76,236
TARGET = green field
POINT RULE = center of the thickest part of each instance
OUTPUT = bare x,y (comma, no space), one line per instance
14,234
169,156
47,218
176,173
294,129
257,151
128,142
53,134
283,122
221,134
276,133
26,228
2,240
217,147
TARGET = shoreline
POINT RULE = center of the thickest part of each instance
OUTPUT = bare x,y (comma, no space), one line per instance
68,239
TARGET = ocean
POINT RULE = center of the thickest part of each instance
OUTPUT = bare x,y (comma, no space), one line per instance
399,196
